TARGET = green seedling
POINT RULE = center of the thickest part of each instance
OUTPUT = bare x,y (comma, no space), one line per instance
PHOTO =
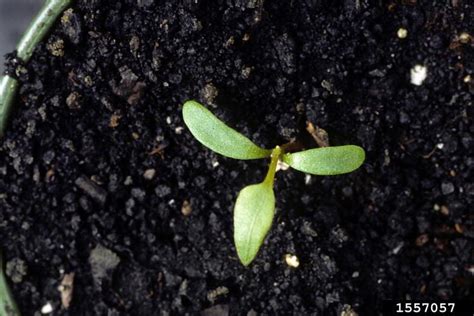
255,205
8,306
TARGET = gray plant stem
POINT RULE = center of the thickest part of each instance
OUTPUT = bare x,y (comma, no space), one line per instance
39,27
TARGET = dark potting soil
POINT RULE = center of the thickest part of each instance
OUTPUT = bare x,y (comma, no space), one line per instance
99,177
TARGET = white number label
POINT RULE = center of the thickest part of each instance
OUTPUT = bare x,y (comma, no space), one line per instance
424,308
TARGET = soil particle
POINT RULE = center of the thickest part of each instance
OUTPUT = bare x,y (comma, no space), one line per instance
209,93
144,3
186,208
73,101
447,188
72,26
16,269
102,261
217,310
91,188
214,294
149,174
56,47
129,86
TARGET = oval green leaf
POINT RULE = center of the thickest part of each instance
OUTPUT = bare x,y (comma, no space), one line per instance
327,161
8,306
217,136
253,216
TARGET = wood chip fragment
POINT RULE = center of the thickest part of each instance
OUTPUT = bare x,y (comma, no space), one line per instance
114,120
186,208
159,150
459,228
49,175
66,289
422,239
214,294
319,135
444,210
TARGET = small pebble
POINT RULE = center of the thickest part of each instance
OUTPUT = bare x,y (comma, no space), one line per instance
447,188
149,174
214,294
418,74
73,101
402,33
465,37
47,308
128,180
91,189
16,269
444,210
186,208
292,260
114,120
209,93
246,72
422,239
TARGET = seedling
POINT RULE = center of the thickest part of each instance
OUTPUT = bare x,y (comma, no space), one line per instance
255,205
8,306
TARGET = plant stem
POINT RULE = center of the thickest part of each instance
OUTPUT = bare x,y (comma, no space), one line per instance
34,34
273,164
8,88
8,306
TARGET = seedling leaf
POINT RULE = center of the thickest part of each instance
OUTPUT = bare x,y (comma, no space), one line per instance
328,160
217,136
253,216
7,304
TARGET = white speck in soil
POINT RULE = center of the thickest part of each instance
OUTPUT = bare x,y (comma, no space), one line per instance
47,308
128,180
292,260
149,174
397,249
402,33
418,74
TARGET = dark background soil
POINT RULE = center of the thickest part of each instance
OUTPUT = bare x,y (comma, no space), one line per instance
93,120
